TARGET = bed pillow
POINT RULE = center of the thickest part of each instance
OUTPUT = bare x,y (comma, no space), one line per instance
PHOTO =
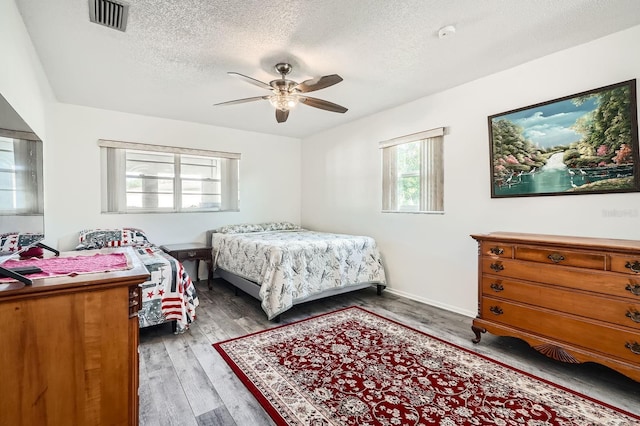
244,228
13,241
280,226
91,239
241,228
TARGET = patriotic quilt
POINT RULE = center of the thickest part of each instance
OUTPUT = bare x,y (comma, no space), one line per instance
169,294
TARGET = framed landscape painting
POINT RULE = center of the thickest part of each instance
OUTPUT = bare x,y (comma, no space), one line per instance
585,143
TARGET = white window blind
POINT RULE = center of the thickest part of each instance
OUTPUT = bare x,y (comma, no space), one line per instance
21,189
413,173
152,178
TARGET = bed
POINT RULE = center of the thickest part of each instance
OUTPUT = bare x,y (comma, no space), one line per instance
282,265
169,294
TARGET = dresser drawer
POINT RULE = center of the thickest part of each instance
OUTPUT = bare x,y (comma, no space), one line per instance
489,248
201,254
562,257
607,339
613,284
626,264
615,311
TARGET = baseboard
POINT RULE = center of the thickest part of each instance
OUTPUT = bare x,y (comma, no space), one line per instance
457,310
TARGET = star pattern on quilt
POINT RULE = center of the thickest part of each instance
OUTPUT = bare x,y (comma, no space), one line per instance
169,294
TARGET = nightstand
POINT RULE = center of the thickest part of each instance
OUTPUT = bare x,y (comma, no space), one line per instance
192,251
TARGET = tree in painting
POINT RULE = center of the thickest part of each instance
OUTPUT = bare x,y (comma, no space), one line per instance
512,153
606,130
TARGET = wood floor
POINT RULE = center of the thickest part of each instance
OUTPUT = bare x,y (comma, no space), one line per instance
184,381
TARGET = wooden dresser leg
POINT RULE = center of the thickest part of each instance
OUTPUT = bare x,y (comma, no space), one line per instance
477,331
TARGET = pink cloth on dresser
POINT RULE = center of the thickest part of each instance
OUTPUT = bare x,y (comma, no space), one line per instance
59,266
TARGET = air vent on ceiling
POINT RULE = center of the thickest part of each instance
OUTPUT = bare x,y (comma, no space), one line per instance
109,13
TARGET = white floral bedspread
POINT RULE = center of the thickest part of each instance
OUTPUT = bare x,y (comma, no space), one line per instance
294,265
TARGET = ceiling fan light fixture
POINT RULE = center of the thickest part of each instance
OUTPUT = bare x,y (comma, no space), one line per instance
286,94
284,101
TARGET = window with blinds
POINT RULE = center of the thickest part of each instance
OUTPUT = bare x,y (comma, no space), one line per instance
413,173
21,189
151,178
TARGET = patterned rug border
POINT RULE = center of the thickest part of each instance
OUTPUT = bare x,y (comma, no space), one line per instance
275,415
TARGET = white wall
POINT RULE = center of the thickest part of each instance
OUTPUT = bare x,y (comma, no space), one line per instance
22,80
25,86
269,174
432,258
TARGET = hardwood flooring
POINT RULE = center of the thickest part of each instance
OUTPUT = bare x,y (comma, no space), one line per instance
184,381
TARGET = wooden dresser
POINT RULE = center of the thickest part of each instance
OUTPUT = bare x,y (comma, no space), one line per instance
69,351
573,299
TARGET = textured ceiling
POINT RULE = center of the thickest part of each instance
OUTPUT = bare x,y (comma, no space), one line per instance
173,59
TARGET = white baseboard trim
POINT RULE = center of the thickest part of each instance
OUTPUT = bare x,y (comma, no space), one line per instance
457,310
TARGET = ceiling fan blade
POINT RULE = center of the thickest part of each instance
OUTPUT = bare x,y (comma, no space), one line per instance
241,101
251,80
281,116
318,83
322,104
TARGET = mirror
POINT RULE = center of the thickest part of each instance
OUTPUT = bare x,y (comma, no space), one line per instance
21,189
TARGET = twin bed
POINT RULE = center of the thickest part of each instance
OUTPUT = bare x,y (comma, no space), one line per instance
168,295
282,265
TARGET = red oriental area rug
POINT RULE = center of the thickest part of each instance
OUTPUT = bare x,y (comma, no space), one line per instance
354,367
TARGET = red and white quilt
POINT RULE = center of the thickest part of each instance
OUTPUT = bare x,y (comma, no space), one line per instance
169,294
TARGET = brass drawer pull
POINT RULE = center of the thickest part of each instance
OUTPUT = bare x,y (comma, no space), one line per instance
497,251
633,347
496,267
497,287
634,315
192,253
635,266
497,310
555,257
133,295
134,302
634,290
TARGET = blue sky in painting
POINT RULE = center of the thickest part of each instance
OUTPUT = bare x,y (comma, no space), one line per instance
550,125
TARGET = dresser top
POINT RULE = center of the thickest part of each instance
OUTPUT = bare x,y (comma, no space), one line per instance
561,240
134,273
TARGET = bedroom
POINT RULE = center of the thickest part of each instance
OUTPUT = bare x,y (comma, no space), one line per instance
330,180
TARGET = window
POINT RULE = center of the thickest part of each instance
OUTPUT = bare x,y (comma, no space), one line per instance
21,189
413,173
150,178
